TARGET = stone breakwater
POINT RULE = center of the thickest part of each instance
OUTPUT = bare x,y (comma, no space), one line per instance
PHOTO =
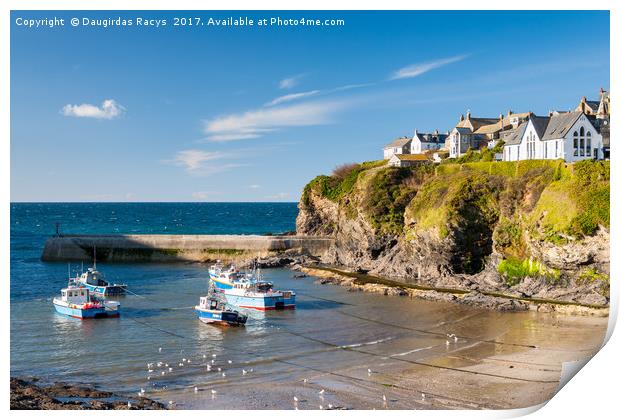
179,248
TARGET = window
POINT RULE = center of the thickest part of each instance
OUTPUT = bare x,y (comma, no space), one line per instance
588,144
531,146
557,143
575,144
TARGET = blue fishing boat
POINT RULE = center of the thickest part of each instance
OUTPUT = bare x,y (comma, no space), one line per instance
223,278
255,293
94,281
212,310
259,296
77,302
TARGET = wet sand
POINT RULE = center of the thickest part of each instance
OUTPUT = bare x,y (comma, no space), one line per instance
508,364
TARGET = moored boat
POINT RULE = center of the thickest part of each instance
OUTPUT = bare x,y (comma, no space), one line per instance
255,293
77,302
94,281
223,278
212,310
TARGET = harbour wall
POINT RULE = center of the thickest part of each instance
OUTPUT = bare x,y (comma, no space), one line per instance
171,248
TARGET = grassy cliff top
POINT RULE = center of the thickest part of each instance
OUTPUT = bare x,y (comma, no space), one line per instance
548,197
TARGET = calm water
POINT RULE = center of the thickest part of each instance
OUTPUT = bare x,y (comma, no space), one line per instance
333,336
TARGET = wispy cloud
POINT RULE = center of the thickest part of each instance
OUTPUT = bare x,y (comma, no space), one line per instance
254,186
194,159
290,82
414,70
204,195
108,110
292,97
258,122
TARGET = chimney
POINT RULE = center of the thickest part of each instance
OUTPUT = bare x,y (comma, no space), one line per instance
501,116
510,112
461,118
415,132
436,132
468,114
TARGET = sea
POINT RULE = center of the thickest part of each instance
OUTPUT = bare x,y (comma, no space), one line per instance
356,345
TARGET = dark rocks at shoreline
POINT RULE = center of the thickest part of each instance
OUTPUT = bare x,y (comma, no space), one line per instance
27,395
491,302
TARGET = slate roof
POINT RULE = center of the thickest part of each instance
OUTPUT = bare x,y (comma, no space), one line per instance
514,136
540,125
559,124
400,142
474,123
433,138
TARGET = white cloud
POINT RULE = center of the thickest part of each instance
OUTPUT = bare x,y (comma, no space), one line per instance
108,110
417,69
256,123
290,82
254,186
292,97
193,159
201,195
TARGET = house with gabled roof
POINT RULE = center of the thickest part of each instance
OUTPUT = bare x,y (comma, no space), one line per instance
571,136
600,109
475,133
400,146
422,142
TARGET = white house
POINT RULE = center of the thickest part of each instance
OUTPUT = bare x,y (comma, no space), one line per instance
431,141
570,136
400,146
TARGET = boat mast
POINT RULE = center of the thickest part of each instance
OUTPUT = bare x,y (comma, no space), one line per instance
94,257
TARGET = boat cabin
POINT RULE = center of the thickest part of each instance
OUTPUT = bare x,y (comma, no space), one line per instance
93,277
75,295
207,302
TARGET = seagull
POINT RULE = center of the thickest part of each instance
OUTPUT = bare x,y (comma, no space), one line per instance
189,361
159,364
169,369
447,343
456,339
322,392
329,406
305,380
170,402
423,396
212,361
320,407
195,389
219,369
163,373
184,359
214,355
244,372
230,362
142,391
180,364
129,404
213,391
295,399
150,370
148,378
223,374
160,349
204,356
166,365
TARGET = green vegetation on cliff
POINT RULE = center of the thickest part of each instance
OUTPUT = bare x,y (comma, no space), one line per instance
477,207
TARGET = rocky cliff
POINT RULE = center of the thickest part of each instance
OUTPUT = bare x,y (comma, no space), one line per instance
529,229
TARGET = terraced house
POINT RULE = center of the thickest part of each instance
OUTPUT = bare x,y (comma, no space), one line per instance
475,132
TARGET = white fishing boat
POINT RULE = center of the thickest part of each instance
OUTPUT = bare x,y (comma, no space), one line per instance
77,302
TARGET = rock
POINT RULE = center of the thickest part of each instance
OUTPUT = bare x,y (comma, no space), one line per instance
491,302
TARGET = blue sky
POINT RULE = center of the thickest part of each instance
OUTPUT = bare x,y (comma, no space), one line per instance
252,114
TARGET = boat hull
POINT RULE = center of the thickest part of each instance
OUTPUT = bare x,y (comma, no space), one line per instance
219,283
264,302
221,317
79,313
